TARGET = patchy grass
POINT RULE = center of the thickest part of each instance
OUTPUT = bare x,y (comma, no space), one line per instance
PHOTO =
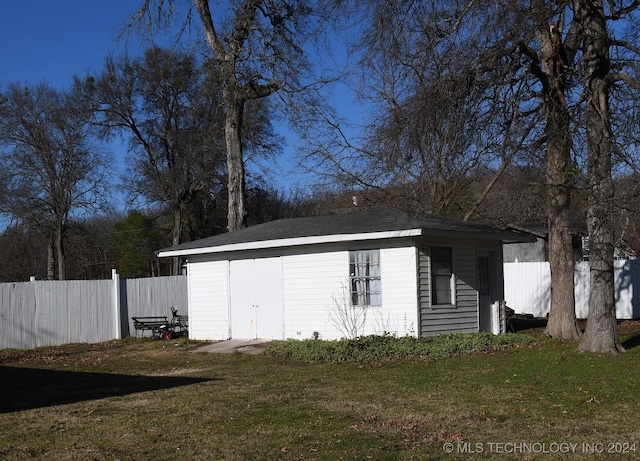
145,399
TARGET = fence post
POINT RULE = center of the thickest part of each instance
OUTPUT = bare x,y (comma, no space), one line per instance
116,304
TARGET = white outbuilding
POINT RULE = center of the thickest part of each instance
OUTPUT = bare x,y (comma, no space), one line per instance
384,271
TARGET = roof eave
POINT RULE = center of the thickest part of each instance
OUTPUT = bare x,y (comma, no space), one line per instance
503,237
291,242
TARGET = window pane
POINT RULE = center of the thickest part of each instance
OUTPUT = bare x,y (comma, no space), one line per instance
483,275
442,289
442,267
364,270
441,253
441,273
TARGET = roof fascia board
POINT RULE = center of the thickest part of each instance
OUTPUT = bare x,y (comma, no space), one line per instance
298,241
504,238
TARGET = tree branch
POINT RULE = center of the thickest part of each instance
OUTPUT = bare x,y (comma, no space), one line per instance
628,45
626,78
617,14
209,30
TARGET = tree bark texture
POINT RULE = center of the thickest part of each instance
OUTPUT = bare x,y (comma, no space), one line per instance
601,334
60,257
51,258
235,164
562,318
177,238
560,173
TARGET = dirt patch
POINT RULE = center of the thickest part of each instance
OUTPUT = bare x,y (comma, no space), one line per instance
253,348
177,372
629,327
519,323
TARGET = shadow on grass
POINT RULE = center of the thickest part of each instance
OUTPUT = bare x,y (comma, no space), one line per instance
630,343
519,323
29,388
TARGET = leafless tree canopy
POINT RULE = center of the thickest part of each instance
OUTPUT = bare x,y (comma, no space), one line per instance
258,46
461,88
53,167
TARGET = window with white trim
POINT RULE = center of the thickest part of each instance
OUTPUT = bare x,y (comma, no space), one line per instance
442,278
364,278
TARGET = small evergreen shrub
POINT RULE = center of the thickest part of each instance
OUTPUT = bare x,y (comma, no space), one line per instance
374,348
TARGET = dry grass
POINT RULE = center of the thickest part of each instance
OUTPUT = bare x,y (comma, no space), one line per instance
132,400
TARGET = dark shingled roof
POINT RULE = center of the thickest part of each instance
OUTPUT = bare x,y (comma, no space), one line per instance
387,220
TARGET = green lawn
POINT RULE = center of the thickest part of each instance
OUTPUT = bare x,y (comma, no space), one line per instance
145,399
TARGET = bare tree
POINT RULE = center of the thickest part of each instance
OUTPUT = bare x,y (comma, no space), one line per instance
26,249
167,105
258,46
348,317
467,87
550,64
441,111
54,169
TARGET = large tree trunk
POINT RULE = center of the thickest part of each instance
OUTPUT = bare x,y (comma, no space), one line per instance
176,238
59,244
560,172
51,258
562,317
601,334
229,51
235,163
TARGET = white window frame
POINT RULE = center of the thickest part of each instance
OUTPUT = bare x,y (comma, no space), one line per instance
432,276
365,281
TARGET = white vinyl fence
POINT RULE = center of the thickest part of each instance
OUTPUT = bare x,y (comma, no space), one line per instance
49,313
527,288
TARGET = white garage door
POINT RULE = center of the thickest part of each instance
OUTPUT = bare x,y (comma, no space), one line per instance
256,299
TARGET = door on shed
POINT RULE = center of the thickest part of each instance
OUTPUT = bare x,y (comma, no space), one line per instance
487,284
256,298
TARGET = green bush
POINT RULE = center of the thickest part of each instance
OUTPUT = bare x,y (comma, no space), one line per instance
375,348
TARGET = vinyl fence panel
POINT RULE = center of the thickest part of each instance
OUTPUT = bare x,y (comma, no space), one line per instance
17,316
49,313
73,312
527,288
150,297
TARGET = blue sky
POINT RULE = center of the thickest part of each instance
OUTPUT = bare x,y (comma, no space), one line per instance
47,40
51,40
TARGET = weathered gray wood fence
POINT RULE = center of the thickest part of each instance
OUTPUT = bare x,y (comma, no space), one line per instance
48,313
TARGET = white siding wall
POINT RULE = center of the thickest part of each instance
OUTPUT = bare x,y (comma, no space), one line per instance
209,300
309,281
312,281
399,294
